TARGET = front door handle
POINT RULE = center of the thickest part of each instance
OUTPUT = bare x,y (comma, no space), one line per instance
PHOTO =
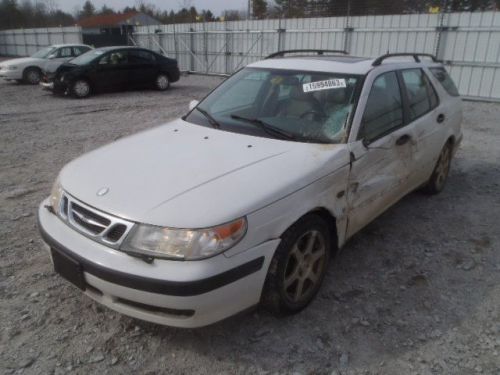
403,140
440,118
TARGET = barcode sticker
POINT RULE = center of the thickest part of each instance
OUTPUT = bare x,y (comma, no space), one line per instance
324,85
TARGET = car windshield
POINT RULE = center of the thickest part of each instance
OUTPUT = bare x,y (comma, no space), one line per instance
44,52
87,57
302,106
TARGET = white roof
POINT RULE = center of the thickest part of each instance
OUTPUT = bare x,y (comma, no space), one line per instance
68,45
337,64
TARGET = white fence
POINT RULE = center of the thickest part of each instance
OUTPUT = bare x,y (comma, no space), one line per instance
25,42
469,43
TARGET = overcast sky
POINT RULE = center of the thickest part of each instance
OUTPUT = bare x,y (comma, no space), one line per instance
216,6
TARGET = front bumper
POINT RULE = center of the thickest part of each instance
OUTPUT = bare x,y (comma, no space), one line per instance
11,74
196,293
47,85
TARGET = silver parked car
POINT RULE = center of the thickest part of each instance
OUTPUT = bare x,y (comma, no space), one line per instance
31,69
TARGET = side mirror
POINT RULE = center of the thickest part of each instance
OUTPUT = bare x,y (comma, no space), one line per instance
193,104
52,56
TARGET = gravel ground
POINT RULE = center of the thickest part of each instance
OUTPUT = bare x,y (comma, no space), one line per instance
416,292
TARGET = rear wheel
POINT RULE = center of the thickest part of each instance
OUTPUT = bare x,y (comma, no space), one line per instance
440,174
32,76
81,88
162,82
298,266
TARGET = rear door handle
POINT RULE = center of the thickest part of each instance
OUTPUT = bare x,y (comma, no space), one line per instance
440,118
403,140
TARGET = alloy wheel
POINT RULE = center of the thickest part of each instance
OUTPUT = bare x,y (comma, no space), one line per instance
33,77
162,82
443,167
304,266
81,89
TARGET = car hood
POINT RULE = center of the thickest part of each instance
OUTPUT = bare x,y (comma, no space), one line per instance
22,61
188,176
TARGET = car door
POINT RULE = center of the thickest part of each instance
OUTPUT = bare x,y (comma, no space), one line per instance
428,118
381,155
59,56
111,71
143,67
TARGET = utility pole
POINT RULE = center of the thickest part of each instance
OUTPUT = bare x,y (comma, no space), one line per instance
249,10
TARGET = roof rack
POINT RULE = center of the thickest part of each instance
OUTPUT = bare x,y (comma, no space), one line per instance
416,56
317,51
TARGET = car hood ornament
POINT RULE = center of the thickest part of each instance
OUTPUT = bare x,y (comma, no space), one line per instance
102,191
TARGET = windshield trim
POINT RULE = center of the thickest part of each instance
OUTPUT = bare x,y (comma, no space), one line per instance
349,120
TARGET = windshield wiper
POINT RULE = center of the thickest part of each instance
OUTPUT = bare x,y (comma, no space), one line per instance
269,129
209,117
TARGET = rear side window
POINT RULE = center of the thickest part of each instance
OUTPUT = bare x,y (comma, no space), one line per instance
384,108
77,51
65,52
444,78
140,57
422,97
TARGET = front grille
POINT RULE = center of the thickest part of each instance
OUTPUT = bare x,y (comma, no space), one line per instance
95,224
88,219
116,232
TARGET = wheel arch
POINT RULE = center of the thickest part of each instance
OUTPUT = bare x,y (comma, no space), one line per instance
329,218
35,67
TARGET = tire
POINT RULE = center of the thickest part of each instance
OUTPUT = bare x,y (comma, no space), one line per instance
81,89
32,76
298,266
162,82
440,174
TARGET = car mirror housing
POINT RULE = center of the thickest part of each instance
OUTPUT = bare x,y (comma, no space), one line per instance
52,56
193,104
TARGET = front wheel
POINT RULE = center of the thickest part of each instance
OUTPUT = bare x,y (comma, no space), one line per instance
81,88
440,174
162,82
298,266
32,76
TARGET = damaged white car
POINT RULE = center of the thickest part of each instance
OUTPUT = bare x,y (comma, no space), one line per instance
244,199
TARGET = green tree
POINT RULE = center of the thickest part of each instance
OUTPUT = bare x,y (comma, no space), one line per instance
259,9
88,9
106,10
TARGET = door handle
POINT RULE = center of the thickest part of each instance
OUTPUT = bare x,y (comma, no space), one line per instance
405,138
440,118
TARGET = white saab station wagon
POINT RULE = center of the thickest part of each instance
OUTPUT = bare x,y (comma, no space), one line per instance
243,200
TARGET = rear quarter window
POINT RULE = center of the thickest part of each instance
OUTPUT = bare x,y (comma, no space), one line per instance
444,78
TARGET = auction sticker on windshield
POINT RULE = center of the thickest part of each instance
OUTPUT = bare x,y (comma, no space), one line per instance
324,85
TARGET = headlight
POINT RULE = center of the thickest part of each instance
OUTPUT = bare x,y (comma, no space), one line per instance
184,244
56,196
11,67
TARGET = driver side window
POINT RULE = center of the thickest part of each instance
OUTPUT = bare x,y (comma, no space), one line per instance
114,58
384,108
64,52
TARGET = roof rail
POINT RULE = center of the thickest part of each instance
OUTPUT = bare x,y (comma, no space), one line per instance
317,51
416,56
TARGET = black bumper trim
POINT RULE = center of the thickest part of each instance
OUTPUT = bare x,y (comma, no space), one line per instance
171,288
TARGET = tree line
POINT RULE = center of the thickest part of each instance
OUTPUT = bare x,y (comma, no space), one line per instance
16,14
